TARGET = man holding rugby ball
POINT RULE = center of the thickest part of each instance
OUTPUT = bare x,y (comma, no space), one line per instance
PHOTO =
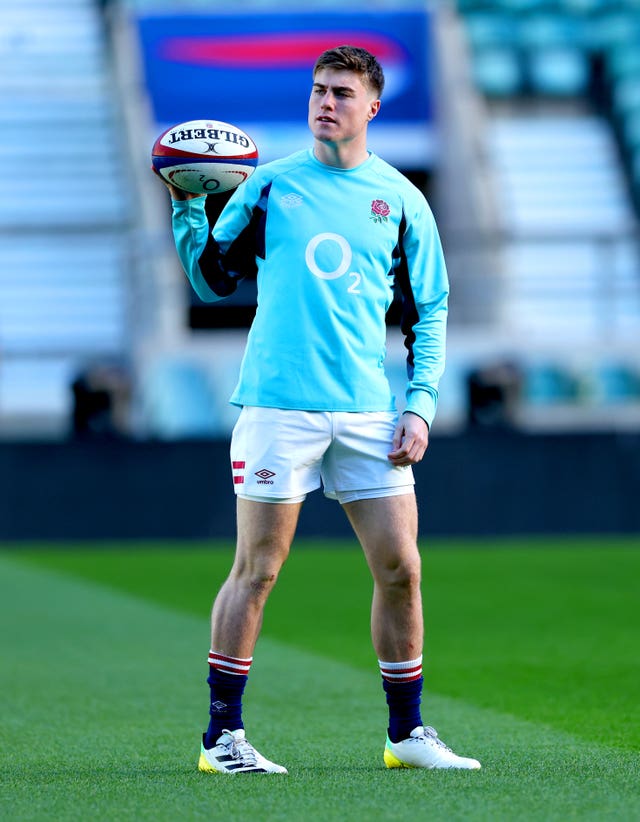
331,232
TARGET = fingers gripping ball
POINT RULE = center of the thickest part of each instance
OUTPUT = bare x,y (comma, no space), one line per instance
204,156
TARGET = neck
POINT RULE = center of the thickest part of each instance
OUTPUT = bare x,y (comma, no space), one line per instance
340,155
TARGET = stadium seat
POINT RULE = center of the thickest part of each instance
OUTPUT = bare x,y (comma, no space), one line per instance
624,60
549,384
545,30
558,71
497,71
626,97
612,28
617,382
490,28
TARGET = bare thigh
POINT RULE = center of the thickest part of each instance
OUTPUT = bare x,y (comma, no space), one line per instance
265,533
387,528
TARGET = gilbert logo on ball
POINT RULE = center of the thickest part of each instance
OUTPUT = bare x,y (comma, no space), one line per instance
204,156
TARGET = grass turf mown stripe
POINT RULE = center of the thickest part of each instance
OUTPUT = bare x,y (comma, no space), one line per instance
542,629
104,696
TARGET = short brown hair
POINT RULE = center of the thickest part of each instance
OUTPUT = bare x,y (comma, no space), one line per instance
353,58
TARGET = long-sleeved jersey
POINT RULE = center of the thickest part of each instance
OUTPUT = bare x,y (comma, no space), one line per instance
329,247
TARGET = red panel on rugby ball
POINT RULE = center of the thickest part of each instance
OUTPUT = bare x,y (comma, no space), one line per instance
205,156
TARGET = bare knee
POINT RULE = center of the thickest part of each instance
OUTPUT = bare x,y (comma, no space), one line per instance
400,576
257,568
261,582
253,584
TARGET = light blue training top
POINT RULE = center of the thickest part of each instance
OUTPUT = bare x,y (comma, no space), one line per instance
330,247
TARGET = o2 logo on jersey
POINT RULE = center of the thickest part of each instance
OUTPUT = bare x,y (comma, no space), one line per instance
342,255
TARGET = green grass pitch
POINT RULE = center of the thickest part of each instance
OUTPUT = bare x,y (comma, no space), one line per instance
531,665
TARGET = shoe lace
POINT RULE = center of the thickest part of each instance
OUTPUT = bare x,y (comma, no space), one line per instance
241,749
433,736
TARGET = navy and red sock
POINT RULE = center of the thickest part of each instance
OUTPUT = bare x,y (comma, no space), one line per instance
402,683
227,680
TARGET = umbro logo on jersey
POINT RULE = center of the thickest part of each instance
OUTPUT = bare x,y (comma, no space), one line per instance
265,476
291,200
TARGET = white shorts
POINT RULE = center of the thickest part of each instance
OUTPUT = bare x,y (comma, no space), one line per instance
280,456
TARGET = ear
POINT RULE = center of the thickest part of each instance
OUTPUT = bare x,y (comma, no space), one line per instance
374,108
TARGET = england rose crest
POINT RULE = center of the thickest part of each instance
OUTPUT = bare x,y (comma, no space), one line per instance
379,211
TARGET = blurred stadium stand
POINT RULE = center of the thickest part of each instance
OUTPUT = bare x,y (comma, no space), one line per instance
535,184
558,161
65,216
533,172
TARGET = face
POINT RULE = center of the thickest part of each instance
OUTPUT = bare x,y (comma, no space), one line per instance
340,106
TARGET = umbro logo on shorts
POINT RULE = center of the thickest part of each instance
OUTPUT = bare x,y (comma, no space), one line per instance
265,476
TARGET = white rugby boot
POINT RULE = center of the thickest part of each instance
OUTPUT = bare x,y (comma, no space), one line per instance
424,749
233,754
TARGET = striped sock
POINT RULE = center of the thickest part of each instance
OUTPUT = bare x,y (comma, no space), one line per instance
230,664
227,680
402,683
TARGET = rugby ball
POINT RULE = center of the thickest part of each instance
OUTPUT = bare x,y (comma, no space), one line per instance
204,156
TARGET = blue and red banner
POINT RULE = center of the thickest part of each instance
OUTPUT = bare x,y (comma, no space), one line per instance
254,70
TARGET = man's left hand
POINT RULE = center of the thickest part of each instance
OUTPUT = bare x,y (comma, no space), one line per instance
410,440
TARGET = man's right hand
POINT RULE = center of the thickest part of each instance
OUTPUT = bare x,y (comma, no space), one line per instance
175,192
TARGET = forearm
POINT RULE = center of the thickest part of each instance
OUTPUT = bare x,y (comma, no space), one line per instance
198,251
428,361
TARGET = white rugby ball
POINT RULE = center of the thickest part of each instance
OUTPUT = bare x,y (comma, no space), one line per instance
205,156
